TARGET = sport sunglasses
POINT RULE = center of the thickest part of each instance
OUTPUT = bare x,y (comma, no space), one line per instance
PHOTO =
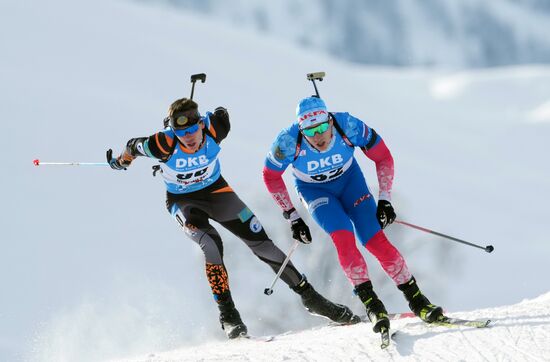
185,124
321,128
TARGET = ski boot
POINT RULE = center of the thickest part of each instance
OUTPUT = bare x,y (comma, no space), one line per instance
419,304
316,304
376,312
230,318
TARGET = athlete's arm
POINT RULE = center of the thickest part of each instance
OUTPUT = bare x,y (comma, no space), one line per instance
275,184
279,157
373,146
383,159
218,124
159,146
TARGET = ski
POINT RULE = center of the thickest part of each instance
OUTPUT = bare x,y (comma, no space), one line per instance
459,322
385,337
396,316
391,316
444,321
257,338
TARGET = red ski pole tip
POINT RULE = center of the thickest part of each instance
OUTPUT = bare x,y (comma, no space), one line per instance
36,162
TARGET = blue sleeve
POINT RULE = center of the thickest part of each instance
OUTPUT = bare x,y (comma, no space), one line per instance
283,150
359,134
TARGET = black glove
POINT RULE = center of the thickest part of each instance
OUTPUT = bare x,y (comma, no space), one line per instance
221,113
385,213
300,231
116,163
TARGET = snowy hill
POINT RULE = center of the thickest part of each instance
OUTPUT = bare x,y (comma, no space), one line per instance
92,266
519,332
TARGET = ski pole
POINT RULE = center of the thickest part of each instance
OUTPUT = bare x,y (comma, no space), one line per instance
269,291
488,248
37,162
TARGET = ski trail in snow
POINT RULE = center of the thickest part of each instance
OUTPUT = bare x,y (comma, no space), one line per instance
518,333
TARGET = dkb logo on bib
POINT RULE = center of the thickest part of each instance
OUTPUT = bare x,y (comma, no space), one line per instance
191,161
324,162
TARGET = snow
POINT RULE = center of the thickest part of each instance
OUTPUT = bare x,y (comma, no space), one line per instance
93,267
541,113
519,332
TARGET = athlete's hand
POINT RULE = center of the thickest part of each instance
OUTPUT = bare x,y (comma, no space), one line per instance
385,213
221,113
300,231
116,163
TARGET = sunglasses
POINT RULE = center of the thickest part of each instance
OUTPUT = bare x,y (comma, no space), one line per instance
321,128
185,124
185,131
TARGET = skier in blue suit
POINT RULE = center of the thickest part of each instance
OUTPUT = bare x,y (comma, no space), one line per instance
319,145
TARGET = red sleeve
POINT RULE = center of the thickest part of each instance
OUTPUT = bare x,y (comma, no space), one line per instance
276,186
383,159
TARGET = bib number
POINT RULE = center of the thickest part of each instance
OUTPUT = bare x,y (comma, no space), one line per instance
183,177
327,176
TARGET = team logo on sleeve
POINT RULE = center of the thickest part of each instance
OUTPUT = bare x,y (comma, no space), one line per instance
274,160
279,155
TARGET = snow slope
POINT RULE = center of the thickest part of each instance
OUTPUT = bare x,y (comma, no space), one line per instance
519,332
92,266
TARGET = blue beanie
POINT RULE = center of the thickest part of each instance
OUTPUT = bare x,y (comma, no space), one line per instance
311,111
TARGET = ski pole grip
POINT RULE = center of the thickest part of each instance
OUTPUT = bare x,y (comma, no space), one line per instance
489,248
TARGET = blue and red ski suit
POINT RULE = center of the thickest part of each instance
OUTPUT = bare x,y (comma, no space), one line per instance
333,189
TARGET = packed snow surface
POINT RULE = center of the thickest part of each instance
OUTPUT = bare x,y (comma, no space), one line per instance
519,332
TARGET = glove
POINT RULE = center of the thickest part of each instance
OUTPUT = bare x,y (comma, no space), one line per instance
116,163
300,231
385,213
221,113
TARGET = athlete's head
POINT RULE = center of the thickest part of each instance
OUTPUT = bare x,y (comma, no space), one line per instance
311,111
185,120
314,122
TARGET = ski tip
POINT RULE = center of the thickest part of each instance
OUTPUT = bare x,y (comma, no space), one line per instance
36,162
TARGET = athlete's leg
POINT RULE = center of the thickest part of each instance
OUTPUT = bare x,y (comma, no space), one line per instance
328,212
361,207
194,221
235,216
248,228
193,218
